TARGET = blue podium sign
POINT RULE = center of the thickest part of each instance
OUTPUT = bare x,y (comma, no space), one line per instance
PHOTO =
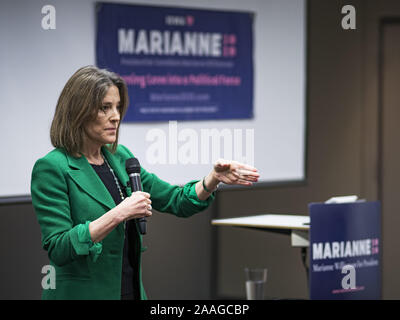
345,246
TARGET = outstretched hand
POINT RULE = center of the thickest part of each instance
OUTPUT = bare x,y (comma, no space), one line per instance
235,173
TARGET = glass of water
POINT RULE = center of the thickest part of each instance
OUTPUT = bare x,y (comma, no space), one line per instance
255,283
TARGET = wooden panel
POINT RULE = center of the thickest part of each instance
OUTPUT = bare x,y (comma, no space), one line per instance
390,158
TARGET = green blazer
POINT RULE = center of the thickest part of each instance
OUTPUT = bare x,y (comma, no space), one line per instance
67,195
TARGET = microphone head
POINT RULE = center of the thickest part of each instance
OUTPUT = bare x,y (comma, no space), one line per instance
132,165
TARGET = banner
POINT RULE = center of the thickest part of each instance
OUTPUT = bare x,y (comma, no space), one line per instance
345,246
179,64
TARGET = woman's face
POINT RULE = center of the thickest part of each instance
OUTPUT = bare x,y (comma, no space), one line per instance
103,130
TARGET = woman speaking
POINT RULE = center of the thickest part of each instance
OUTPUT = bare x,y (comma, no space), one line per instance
88,218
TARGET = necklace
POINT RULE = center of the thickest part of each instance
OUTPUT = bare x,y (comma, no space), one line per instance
115,178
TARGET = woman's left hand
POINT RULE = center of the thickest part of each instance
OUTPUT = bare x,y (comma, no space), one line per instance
235,173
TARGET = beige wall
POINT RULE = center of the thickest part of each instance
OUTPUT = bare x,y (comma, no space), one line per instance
342,158
342,152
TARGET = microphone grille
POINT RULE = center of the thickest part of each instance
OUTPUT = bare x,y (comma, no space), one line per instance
132,165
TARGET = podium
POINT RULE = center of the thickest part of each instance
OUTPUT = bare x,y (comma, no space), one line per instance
345,243
344,240
294,225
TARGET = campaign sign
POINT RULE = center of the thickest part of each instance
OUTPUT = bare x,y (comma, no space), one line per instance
345,247
178,63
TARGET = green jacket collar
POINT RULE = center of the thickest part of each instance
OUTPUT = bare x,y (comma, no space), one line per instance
84,175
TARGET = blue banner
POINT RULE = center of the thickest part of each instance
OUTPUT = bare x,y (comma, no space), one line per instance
345,243
179,64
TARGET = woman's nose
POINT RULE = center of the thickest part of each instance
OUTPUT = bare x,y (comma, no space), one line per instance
115,116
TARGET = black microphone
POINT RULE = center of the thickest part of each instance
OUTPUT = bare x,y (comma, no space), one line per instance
132,166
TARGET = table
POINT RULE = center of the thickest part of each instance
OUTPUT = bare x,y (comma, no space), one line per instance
297,226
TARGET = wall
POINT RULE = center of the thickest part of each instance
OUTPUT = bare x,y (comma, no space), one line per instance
22,257
378,154
344,140
341,159
39,59
333,159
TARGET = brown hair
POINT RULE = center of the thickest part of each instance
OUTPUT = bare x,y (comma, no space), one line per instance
79,104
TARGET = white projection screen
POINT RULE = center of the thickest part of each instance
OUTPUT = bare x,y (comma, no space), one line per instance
36,63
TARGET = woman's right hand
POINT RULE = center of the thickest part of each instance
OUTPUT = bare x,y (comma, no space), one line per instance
138,205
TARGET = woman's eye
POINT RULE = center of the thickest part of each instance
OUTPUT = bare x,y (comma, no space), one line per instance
104,108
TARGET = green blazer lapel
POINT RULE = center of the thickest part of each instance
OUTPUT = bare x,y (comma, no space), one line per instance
85,176
118,165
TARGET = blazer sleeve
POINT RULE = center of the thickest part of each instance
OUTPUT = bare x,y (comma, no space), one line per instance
181,201
64,241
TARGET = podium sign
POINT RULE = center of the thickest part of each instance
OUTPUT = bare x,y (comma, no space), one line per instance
345,246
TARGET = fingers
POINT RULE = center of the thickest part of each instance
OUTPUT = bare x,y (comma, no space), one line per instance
244,166
147,207
246,175
147,210
142,203
240,168
249,177
245,172
142,197
144,194
222,162
239,177
234,179
247,167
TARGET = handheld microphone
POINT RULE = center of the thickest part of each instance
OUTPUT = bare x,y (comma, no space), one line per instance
132,166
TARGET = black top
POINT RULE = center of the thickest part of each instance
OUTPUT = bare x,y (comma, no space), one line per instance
130,278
